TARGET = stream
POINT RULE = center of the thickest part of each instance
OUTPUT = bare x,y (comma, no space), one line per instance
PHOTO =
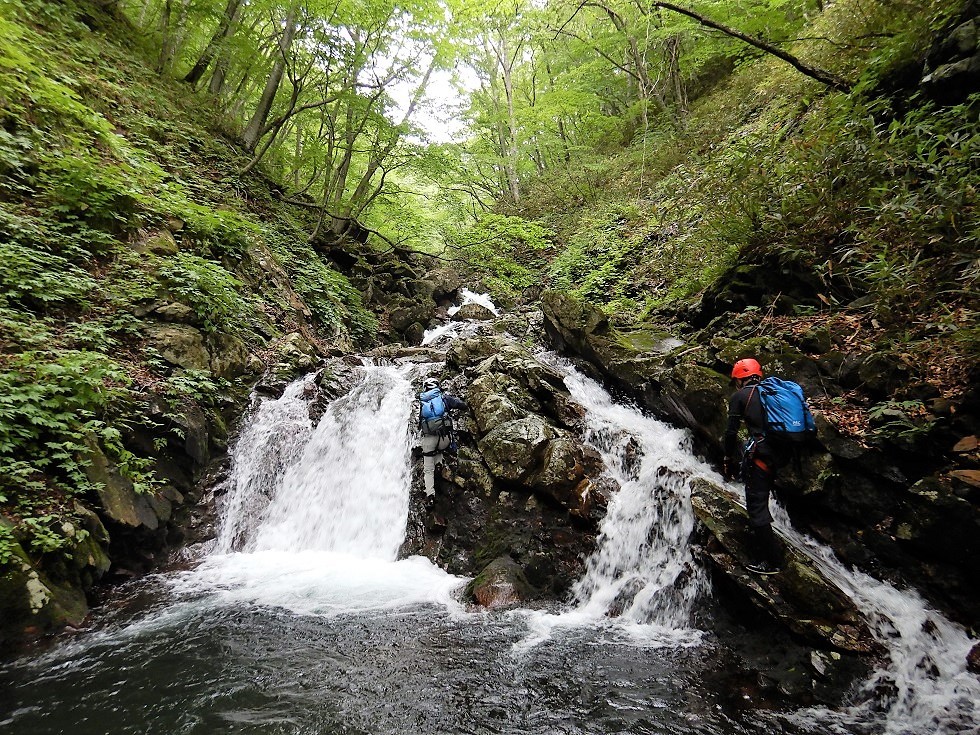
301,619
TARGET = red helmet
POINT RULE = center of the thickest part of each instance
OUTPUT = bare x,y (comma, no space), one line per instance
745,368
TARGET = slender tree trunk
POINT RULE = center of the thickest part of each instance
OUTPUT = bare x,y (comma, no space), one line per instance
171,36
164,27
225,28
257,123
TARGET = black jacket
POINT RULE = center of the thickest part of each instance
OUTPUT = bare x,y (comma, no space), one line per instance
746,405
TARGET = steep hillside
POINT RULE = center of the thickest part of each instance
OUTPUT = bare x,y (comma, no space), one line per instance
144,287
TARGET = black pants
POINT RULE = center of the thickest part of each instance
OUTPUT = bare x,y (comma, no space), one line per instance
758,488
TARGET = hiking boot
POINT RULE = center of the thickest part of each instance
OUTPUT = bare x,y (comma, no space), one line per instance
764,568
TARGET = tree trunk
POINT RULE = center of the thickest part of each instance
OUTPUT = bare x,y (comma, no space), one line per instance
225,28
253,131
171,36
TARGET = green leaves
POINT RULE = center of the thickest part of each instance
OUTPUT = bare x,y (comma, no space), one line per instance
209,289
50,401
507,251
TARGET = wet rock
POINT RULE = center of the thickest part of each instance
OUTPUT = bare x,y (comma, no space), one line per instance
446,283
501,584
403,317
179,344
31,602
800,597
973,659
566,471
835,441
294,354
119,499
496,399
473,311
511,450
415,334
465,352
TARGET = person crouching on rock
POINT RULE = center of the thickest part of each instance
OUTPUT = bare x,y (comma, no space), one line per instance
437,428
758,464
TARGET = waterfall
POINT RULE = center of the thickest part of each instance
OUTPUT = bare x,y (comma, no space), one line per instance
642,572
643,562
271,441
642,569
348,492
314,516
340,487
924,687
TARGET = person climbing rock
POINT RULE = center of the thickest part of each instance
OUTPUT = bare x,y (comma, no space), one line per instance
436,426
757,466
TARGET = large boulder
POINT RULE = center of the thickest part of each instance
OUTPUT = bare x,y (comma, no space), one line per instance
179,344
502,583
34,599
800,596
474,311
119,500
524,488
567,472
513,450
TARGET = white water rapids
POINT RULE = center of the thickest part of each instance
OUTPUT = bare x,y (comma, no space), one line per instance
316,515
302,618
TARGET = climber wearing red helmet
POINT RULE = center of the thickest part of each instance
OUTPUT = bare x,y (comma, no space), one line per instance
757,463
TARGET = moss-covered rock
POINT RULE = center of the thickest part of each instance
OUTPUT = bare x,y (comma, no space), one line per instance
800,596
500,584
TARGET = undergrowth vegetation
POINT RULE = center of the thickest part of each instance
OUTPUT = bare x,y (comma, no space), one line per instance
98,158
875,195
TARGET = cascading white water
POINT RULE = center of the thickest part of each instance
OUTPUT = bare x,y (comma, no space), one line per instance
348,492
643,560
272,440
314,517
643,566
455,329
642,571
301,495
925,686
342,487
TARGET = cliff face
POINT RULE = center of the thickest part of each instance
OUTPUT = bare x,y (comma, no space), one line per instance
890,490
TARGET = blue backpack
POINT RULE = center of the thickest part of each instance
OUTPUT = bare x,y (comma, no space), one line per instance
432,417
787,414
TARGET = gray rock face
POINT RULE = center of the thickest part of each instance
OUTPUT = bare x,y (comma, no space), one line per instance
120,501
511,450
523,494
180,344
803,599
473,311
955,64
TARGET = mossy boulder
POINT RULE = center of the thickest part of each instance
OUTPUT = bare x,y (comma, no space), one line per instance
500,584
800,596
31,602
512,450
179,344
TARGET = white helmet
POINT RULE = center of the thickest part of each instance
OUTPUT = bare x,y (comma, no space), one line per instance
430,383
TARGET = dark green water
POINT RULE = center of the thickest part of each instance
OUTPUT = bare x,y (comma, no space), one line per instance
197,667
